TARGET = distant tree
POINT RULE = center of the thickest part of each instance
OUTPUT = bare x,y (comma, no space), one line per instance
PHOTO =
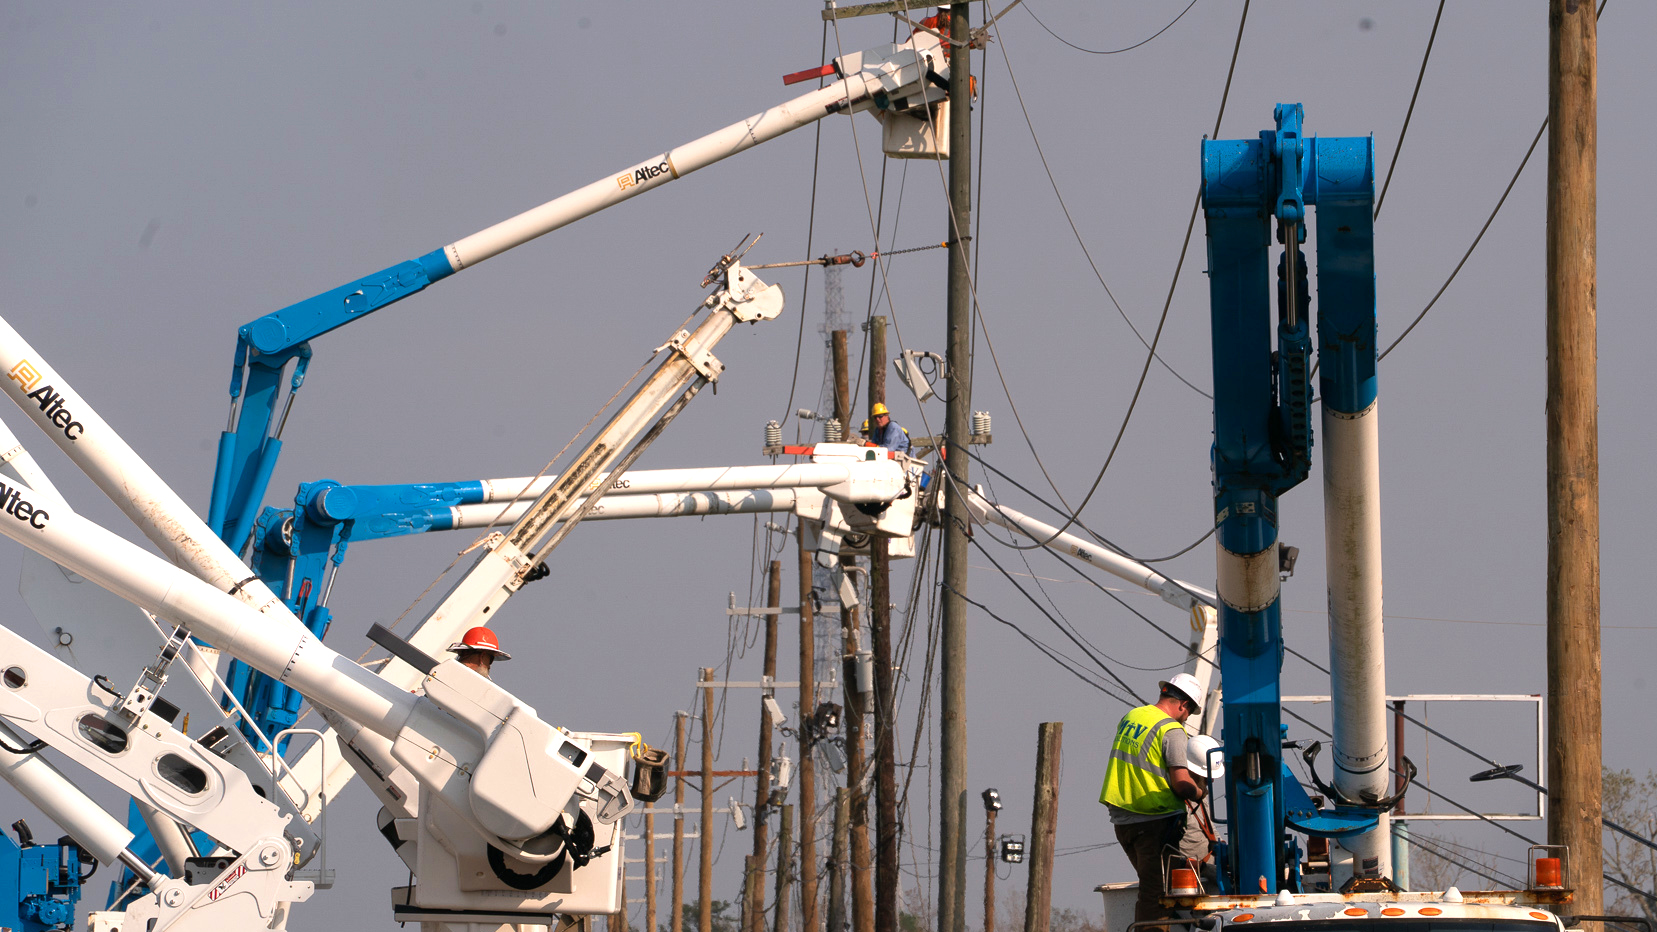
1631,802
724,918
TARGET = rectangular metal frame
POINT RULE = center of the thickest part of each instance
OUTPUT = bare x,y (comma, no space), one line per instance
1541,771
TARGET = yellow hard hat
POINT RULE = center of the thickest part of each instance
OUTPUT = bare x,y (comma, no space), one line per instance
865,428
879,409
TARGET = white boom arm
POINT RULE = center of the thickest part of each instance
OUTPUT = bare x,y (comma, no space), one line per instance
1199,602
897,74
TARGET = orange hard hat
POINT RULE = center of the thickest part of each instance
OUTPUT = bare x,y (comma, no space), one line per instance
480,639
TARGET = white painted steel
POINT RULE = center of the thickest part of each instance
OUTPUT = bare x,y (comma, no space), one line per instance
1248,582
17,464
283,650
1357,650
886,69
52,793
499,568
659,505
129,482
869,480
1172,591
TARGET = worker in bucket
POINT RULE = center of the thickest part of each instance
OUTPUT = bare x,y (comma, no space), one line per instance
886,432
479,649
1205,758
1148,782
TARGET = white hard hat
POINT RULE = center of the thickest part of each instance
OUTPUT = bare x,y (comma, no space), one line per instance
1186,685
1197,758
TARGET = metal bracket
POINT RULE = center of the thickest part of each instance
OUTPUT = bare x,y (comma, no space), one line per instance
703,361
144,693
1385,804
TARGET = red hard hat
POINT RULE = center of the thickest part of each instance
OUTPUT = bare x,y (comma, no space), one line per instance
480,639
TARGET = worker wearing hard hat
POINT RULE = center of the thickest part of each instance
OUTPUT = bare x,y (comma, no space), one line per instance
1204,758
1147,783
886,432
479,649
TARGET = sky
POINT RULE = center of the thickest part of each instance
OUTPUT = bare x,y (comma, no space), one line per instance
174,170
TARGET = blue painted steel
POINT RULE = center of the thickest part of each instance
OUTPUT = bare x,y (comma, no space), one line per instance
263,349
1262,426
294,548
44,883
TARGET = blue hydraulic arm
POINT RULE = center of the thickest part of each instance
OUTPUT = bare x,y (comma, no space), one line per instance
1262,426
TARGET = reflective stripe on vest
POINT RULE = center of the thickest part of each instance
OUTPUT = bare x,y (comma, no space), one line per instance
1136,778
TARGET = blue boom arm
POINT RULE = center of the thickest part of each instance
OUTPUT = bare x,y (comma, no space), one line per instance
249,448
1262,427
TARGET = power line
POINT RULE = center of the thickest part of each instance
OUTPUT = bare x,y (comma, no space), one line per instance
1482,230
1162,321
1127,48
1410,112
1051,654
1091,533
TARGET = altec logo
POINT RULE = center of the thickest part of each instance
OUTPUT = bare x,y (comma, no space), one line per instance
12,503
25,375
51,405
641,175
229,881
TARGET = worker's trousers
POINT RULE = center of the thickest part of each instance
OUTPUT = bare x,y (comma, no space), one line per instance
1146,844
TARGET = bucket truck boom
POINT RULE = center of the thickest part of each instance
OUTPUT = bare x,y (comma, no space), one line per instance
903,78
1262,448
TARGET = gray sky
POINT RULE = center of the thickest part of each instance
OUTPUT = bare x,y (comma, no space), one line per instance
172,171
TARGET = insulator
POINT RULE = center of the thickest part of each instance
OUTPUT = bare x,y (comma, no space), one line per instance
832,431
773,434
980,423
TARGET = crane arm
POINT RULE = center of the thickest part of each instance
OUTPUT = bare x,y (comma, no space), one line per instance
895,78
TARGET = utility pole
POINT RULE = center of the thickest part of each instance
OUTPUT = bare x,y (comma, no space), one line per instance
837,861
617,921
704,879
1044,822
1573,599
862,887
754,909
649,872
989,863
842,384
807,768
785,866
880,632
677,919
952,699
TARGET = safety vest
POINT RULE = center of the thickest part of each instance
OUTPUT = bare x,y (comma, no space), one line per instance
1136,779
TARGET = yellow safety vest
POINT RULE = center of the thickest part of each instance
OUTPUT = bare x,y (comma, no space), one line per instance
1135,779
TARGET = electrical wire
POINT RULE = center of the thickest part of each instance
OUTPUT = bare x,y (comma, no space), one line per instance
1163,320
1119,51
1090,532
811,226
1051,654
1409,112
1074,230
1482,230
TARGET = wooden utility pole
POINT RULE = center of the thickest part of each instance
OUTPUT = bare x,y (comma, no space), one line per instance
989,868
1044,823
649,872
704,879
837,861
785,866
952,667
617,921
862,879
754,909
1573,599
807,769
677,919
880,633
